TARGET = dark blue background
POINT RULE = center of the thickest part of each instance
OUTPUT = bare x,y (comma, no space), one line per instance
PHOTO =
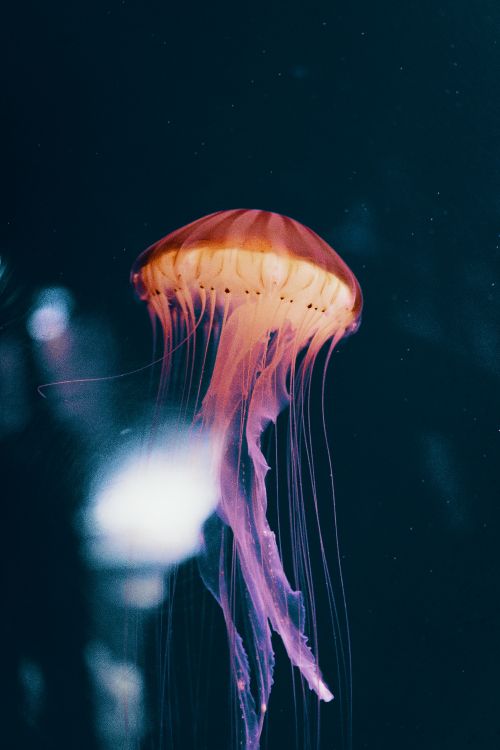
377,124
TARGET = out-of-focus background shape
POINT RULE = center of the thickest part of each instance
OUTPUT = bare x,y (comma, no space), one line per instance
148,509
378,126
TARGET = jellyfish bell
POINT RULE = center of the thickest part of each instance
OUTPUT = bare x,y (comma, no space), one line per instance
234,257
265,293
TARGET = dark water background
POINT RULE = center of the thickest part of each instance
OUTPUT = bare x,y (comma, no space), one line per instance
377,124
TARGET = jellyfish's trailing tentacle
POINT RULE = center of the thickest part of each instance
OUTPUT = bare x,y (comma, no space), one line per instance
214,571
248,387
268,586
284,607
216,575
225,576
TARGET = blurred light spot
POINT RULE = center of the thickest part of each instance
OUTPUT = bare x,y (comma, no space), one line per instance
143,591
149,509
51,314
119,688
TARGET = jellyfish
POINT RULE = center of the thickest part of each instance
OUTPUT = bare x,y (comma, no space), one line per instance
253,297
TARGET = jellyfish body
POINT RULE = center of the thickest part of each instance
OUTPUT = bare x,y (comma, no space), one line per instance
265,293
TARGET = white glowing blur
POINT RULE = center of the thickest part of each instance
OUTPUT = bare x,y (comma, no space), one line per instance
51,314
150,509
